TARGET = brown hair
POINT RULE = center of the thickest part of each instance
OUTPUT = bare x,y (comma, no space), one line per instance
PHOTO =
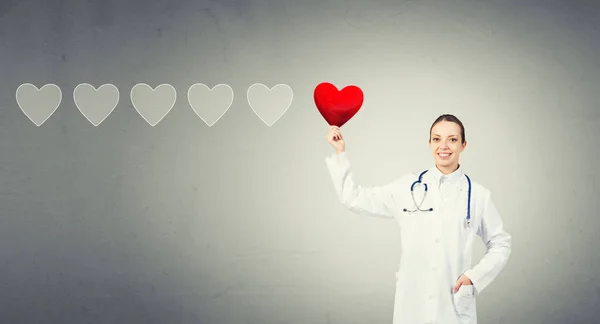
450,118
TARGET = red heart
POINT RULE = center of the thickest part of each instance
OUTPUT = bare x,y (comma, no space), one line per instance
337,107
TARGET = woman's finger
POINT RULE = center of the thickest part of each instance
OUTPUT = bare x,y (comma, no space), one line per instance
457,286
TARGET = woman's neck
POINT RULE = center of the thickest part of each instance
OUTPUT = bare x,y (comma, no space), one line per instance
447,170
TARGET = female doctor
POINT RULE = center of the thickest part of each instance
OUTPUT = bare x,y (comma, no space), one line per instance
435,282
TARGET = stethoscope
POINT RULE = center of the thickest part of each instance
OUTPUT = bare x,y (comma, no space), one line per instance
418,206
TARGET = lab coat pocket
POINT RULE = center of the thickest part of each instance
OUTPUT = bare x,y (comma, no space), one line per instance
464,303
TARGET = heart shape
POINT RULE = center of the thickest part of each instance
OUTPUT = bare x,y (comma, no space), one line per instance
96,104
269,104
38,104
153,104
338,106
210,104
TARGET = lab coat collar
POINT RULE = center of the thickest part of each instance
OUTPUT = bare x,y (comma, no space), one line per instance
457,177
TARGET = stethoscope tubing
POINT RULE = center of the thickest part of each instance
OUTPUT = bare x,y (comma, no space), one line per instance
418,206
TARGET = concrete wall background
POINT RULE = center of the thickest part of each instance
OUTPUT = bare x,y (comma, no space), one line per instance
238,222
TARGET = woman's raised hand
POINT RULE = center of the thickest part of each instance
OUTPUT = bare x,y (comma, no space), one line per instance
334,137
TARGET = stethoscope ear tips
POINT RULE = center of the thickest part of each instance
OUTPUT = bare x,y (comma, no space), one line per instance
430,209
404,209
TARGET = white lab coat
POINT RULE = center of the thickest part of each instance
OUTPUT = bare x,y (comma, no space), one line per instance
436,246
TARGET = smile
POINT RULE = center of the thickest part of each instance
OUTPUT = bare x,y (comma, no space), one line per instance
444,155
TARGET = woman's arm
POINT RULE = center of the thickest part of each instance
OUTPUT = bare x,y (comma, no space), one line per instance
498,247
374,201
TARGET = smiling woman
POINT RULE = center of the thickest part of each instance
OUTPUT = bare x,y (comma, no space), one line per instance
436,281
447,141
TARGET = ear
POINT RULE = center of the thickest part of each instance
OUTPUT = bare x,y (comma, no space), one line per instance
464,145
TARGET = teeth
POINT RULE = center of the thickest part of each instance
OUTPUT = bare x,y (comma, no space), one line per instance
444,154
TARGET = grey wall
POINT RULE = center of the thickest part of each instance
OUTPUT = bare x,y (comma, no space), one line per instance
238,222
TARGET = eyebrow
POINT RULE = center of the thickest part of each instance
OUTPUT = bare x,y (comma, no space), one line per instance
448,136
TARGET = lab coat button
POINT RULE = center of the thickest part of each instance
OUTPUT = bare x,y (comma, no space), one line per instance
437,240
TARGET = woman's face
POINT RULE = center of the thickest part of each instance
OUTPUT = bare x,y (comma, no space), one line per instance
445,143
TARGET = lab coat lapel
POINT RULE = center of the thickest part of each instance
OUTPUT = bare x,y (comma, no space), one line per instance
433,187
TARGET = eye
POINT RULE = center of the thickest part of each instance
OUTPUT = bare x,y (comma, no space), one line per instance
436,139
454,140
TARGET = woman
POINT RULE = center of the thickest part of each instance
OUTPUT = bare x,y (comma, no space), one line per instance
435,282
